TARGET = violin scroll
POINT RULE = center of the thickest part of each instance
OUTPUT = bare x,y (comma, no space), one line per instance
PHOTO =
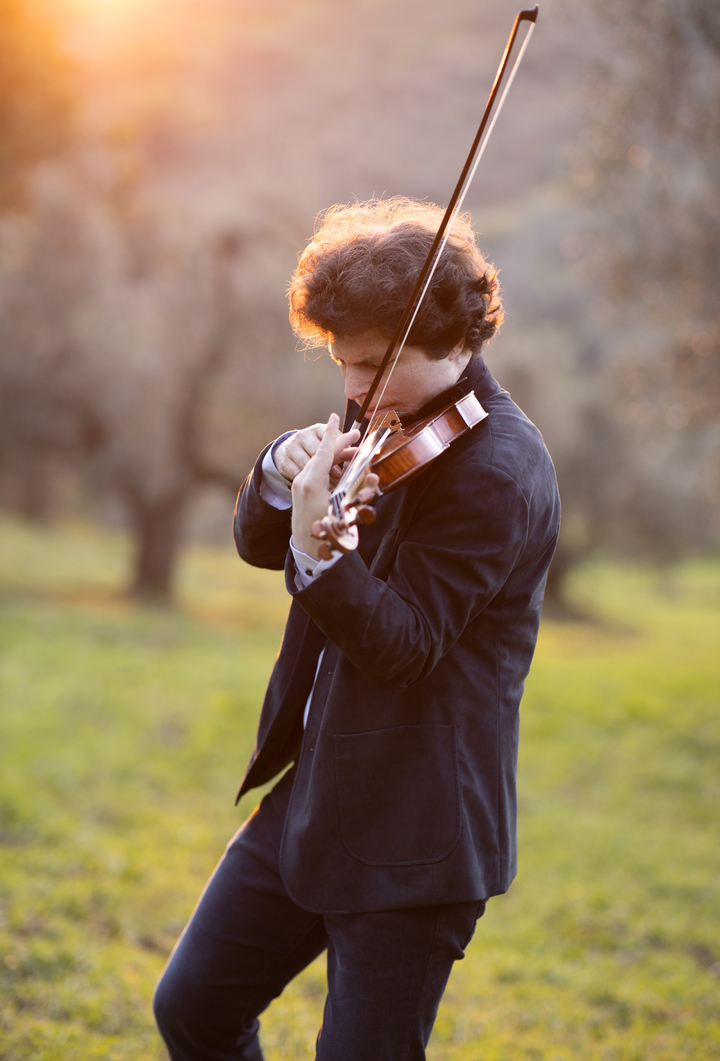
341,532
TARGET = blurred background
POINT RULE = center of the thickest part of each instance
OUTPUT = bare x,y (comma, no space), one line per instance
161,166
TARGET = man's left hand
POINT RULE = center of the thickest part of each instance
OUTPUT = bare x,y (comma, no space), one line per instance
311,490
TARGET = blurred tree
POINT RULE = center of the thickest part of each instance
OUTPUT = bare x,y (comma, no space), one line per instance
141,389
649,168
144,351
642,475
36,99
115,326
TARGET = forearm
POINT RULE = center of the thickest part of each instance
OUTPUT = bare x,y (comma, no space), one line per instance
381,634
261,530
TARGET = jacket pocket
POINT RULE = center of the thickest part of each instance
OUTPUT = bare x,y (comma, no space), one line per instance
398,794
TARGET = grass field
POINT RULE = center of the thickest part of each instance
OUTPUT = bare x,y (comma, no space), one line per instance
124,733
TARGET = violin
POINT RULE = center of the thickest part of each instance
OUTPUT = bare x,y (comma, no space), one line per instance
396,455
392,453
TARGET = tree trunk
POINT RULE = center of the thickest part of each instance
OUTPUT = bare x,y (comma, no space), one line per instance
556,604
157,531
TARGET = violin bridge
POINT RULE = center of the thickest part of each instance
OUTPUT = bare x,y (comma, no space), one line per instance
388,421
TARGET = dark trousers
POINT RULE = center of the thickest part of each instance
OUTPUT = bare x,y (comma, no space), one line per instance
247,939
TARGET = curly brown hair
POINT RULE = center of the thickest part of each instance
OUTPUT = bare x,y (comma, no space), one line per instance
358,271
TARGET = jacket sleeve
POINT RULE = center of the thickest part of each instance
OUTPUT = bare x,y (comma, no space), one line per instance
261,531
466,536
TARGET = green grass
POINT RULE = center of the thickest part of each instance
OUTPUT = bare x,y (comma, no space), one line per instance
124,733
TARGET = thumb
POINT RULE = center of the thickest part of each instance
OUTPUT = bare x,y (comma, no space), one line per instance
324,456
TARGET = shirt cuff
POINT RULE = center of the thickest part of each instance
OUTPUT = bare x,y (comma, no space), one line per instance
308,568
274,487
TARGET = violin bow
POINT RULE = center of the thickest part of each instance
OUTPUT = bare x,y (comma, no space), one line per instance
422,285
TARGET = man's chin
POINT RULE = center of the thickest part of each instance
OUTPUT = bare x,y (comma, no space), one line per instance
372,413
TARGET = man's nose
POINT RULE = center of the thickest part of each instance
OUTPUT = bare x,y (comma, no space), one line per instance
356,383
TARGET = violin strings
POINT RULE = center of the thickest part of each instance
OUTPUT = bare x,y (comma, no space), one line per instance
356,467
455,213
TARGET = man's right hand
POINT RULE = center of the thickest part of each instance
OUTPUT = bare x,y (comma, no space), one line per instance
293,454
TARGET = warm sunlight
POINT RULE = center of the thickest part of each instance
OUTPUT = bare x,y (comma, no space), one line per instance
91,8
94,5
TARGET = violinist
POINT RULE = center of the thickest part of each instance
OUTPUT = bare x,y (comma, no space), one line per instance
392,709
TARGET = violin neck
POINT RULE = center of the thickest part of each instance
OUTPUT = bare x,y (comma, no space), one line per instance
354,472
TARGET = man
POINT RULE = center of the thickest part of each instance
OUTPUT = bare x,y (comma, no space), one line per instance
396,691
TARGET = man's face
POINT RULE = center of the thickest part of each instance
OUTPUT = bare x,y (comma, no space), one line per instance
416,379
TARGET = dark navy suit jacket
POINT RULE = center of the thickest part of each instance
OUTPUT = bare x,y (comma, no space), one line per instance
404,793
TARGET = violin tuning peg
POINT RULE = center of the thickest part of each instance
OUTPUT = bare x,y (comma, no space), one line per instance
318,531
365,514
325,551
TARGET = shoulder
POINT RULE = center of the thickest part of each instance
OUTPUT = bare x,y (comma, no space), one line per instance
505,447
498,478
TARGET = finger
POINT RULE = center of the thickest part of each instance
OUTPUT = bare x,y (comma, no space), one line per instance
324,457
302,450
345,441
336,473
292,456
291,467
304,445
290,460
346,455
317,530
311,439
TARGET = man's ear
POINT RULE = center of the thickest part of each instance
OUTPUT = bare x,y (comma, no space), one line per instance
459,353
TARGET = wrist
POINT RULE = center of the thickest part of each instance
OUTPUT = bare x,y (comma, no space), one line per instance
305,543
